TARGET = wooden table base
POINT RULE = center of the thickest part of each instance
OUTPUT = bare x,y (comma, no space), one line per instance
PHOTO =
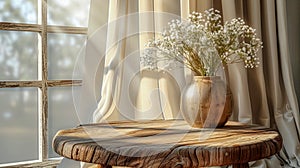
242,165
103,166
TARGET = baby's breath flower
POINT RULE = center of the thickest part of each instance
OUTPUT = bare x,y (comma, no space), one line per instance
203,44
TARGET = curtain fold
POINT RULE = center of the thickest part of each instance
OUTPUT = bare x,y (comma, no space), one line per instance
263,96
156,85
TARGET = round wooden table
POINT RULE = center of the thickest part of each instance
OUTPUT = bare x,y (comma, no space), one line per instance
166,143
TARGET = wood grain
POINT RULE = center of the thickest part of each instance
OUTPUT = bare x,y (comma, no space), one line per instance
49,83
43,75
170,143
38,28
44,164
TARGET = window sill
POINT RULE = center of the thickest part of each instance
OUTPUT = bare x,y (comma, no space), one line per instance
45,164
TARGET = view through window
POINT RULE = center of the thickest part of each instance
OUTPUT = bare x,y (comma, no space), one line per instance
40,41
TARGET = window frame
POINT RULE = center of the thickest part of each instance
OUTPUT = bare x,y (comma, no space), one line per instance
42,83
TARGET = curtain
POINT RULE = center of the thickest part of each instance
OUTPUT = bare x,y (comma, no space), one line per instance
131,25
293,20
266,95
117,87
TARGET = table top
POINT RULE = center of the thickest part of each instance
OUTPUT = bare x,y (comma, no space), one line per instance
166,143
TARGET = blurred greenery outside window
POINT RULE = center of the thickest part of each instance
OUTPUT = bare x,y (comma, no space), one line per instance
30,57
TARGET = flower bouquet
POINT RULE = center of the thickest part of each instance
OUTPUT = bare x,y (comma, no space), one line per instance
203,44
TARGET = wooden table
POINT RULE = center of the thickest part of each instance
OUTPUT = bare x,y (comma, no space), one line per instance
166,143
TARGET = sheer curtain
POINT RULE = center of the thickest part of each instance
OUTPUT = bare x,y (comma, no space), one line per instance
116,87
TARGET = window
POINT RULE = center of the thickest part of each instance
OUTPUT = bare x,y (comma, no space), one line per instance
40,41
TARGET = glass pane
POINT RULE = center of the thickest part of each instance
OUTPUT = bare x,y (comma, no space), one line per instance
18,124
18,55
62,113
68,12
64,50
21,11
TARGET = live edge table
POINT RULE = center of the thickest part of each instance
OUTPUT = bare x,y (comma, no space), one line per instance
166,143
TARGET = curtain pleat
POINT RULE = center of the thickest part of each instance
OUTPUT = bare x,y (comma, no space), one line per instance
115,52
288,119
158,94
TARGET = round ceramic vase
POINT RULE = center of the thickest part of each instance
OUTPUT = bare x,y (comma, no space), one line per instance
206,102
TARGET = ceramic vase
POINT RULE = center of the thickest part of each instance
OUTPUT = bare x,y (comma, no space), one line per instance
206,102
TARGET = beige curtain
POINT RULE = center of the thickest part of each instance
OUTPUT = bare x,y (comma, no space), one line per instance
121,89
266,95
130,25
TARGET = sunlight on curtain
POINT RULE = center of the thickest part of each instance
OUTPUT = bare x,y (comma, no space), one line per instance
129,27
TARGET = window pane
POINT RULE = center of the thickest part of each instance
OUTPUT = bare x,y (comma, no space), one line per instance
64,50
18,55
62,113
21,11
68,12
18,125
